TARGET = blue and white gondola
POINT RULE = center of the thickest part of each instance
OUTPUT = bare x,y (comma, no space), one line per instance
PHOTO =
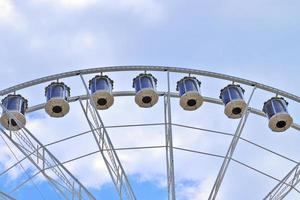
15,105
189,92
145,88
277,113
57,95
101,91
233,99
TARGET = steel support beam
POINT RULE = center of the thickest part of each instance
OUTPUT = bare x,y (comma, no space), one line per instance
24,182
4,196
106,148
169,143
65,182
233,144
289,182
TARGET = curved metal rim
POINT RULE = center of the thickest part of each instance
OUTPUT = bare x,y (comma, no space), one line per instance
147,68
150,68
172,94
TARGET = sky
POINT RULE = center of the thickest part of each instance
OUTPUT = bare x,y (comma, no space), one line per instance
256,40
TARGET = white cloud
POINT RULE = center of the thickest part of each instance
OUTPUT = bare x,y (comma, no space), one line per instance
149,10
256,12
196,191
76,4
7,11
7,159
78,42
9,15
152,10
148,165
85,41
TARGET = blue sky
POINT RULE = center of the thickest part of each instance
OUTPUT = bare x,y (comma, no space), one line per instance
256,40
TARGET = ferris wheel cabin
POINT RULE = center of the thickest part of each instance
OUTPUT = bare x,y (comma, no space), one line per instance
276,110
15,105
189,92
233,99
101,91
145,88
57,95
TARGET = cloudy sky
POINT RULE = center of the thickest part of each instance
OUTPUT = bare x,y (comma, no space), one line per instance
256,40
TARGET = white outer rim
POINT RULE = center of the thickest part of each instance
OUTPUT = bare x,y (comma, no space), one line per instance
105,69
150,68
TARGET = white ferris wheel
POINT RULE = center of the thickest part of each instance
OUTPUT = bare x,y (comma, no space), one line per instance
177,93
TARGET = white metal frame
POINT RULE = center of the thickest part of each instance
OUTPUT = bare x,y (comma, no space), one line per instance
32,152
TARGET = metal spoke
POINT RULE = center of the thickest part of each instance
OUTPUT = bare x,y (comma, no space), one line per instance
227,159
106,148
66,184
20,164
241,138
281,190
77,135
32,159
117,149
181,149
24,182
154,124
235,160
169,144
5,196
30,143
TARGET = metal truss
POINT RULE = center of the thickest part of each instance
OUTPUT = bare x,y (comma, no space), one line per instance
70,188
203,131
4,196
228,157
288,183
64,182
169,144
106,148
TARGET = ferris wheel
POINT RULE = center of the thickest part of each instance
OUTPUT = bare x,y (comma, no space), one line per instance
99,95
